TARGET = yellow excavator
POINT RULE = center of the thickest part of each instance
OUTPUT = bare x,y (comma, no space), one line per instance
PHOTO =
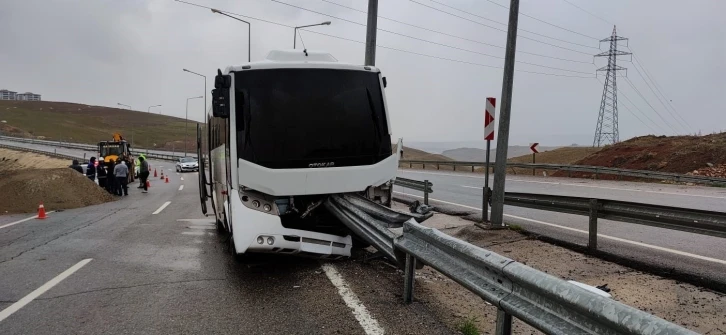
112,150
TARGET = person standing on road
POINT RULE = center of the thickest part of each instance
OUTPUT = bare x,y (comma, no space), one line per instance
111,177
122,174
91,169
143,172
101,173
137,163
76,166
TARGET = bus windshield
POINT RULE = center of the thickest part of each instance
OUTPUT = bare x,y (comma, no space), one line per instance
301,118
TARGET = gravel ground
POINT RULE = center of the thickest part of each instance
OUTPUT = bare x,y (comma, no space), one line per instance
692,307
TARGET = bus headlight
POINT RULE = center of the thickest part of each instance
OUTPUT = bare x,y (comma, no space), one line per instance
260,240
270,240
256,203
267,207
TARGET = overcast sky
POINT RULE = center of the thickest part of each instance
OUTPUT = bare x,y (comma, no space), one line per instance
102,52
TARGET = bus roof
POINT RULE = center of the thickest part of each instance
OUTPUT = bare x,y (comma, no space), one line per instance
299,59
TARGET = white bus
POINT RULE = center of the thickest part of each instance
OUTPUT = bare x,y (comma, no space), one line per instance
283,134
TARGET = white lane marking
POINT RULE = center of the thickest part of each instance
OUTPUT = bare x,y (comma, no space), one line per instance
202,227
21,221
197,220
181,187
161,208
369,324
40,290
641,244
195,233
574,185
182,178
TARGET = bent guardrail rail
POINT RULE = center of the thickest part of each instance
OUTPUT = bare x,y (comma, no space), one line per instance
550,304
595,170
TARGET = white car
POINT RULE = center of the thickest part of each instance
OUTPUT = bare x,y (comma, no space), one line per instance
187,164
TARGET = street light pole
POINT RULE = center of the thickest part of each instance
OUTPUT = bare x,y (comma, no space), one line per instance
294,40
132,123
148,110
249,32
204,109
186,122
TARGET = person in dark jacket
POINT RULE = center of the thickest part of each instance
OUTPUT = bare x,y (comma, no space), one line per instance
91,169
111,177
101,174
76,166
144,173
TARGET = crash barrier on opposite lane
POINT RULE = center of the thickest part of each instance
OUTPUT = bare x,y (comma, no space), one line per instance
594,170
550,304
683,219
424,186
41,152
94,148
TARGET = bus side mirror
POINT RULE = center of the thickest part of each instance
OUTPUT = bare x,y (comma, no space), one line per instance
385,82
220,102
220,95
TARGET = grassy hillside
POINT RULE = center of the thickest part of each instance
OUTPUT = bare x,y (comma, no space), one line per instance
90,124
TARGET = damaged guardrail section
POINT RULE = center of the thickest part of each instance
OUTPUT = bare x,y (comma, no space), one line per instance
550,304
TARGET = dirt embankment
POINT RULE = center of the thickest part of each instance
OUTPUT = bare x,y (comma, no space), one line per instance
27,179
677,154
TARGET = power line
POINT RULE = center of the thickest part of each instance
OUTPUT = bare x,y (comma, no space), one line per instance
502,30
529,16
631,112
456,36
386,47
641,112
444,58
627,80
582,9
659,98
425,40
639,63
240,15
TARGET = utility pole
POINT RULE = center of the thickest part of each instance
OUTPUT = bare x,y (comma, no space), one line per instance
606,130
500,162
371,29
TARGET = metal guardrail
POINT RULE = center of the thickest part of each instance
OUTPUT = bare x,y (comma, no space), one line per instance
688,220
594,170
41,152
424,186
93,148
547,303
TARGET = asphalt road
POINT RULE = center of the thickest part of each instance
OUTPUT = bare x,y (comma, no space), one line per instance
118,268
694,254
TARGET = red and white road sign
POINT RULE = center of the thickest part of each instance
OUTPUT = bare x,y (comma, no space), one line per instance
533,147
489,119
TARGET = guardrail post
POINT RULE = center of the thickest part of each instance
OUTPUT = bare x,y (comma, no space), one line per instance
408,280
437,166
454,165
504,323
84,156
472,168
424,166
410,165
592,240
426,192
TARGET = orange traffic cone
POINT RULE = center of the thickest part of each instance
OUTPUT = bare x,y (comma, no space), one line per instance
155,175
148,183
41,212
167,180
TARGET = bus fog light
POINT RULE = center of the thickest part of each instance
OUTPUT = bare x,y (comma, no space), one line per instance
260,240
267,208
256,203
270,240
